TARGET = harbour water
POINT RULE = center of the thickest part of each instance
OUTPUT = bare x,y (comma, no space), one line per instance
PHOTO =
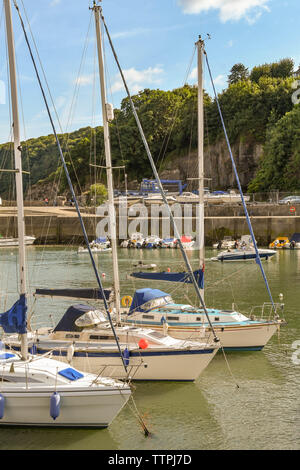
248,401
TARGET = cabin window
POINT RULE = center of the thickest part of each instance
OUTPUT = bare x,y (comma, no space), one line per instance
217,318
148,317
68,335
172,318
198,319
101,337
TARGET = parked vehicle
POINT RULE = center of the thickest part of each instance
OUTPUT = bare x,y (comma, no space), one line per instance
290,200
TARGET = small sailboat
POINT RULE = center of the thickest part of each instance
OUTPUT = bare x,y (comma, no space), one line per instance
155,308
37,390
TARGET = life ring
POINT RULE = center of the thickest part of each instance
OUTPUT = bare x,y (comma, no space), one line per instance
126,301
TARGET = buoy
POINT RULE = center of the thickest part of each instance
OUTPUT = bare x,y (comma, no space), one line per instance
55,405
126,301
2,405
169,270
281,296
126,356
103,275
143,343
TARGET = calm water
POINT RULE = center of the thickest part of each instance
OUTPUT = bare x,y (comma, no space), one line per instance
212,413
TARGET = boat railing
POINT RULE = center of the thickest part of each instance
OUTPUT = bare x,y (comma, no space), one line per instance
267,311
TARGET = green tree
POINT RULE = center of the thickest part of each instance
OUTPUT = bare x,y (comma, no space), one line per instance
97,194
238,72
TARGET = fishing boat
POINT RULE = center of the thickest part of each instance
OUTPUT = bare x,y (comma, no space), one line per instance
155,308
84,338
38,390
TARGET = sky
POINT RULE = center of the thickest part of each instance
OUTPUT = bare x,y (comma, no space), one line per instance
155,43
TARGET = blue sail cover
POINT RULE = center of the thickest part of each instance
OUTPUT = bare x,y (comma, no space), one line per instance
142,296
14,320
171,277
94,294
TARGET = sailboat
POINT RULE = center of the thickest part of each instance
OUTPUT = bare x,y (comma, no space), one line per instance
146,354
38,390
235,330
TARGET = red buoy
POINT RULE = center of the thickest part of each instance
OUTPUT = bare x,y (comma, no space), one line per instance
169,270
143,344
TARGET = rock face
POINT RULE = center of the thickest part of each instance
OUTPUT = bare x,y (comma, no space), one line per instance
217,165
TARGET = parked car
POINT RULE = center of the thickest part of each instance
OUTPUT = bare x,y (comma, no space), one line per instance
290,200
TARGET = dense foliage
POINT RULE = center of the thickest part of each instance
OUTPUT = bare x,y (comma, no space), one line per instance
256,105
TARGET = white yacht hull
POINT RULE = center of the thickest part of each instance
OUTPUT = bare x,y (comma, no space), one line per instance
248,337
15,241
155,363
81,408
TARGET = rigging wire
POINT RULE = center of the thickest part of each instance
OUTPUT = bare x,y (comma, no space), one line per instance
70,186
162,192
258,260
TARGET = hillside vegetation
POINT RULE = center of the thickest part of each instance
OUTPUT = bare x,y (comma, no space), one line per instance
256,105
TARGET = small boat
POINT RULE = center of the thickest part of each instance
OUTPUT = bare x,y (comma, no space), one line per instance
227,242
157,310
168,243
293,243
279,242
45,392
244,254
99,245
83,338
187,242
153,241
137,240
140,264
10,241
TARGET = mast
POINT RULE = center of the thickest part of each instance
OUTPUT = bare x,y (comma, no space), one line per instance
18,161
200,220
109,173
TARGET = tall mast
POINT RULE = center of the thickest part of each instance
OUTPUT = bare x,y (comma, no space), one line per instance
200,224
109,173
18,161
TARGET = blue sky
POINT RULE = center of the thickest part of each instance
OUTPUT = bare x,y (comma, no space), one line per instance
154,40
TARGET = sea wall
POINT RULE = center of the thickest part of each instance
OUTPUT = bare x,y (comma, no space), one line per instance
268,221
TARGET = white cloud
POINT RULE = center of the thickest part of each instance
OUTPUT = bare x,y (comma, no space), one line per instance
85,80
138,79
54,3
228,9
